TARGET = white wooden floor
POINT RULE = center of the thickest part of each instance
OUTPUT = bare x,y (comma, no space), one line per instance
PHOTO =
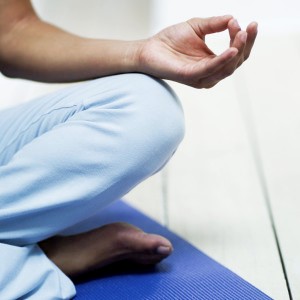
232,189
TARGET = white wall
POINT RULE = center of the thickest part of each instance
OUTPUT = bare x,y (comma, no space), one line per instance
274,16
98,18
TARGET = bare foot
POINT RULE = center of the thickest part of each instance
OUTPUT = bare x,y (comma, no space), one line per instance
79,254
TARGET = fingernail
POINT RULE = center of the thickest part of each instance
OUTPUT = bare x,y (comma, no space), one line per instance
235,23
164,250
255,24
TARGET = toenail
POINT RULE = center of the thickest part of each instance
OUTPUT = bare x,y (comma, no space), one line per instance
163,250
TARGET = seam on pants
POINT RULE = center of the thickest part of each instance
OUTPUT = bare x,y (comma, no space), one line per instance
40,117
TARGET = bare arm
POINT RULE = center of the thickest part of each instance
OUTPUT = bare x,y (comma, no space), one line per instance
33,49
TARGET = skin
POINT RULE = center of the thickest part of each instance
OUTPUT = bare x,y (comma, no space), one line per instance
35,50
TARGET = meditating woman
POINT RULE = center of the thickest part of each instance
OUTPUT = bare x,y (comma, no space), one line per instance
65,156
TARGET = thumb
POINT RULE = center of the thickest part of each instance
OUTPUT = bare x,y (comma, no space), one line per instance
203,26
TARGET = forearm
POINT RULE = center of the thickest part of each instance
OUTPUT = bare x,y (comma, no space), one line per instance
39,51
32,49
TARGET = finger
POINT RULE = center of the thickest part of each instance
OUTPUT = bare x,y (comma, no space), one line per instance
233,28
243,42
210,25
217,63
212,80
210,85
240,44
212,67
252,33
230,66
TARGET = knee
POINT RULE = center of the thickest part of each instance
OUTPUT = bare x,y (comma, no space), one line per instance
147,103
158,117
142,114
163,111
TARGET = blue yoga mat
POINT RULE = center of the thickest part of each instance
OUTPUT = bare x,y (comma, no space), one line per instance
187,274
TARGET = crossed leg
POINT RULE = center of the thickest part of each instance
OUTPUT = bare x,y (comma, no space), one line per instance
67,155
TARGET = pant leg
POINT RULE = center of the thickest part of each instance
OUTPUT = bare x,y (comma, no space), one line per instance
26,273
69,154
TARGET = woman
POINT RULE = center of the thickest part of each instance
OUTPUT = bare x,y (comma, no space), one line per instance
65,156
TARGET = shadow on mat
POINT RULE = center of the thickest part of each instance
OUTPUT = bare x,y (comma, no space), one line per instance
123,269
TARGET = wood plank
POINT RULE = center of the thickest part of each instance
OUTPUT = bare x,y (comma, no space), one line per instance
274,95
215,198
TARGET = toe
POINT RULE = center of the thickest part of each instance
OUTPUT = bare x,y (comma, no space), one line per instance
164,250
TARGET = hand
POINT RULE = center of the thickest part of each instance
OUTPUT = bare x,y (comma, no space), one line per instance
179,52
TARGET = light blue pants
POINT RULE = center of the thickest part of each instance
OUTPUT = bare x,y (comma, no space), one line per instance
65,156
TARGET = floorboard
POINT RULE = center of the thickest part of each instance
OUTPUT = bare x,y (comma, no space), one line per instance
274,96
215,197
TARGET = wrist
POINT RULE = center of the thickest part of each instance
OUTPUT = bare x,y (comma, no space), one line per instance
132,54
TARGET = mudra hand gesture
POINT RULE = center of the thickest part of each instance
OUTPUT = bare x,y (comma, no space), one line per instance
180,53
